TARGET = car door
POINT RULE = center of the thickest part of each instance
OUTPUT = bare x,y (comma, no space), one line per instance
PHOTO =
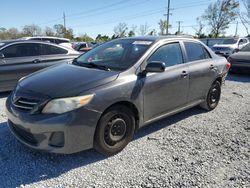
166,91
19,60
51,55
202,70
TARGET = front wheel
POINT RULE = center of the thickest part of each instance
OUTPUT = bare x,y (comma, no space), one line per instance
114,130
213,97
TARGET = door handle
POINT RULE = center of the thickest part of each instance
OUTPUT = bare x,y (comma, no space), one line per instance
211,67
36,61
184,73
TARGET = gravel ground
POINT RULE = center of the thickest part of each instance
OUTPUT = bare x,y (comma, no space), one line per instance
191,149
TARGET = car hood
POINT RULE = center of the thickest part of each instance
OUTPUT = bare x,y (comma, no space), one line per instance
66,80
241,56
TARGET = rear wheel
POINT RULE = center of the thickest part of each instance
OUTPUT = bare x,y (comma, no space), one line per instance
213,96
114,130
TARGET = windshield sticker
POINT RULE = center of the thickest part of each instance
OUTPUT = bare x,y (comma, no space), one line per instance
143,42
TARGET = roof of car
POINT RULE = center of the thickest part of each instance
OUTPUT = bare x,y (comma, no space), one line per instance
45,37
6,42
156,38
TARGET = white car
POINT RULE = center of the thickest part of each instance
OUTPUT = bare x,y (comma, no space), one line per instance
229,45
56,40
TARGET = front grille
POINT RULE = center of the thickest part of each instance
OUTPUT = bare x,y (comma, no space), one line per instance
26,104
23,134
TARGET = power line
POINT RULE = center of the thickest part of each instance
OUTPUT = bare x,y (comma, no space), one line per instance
144,14
109,11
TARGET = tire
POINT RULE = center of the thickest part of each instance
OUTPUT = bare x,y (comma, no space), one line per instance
213,97
114,131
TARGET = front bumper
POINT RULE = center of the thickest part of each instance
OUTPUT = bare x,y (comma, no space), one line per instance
57,133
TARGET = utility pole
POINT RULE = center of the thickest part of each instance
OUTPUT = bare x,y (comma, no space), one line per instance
64,20
236,29
168,13
179,27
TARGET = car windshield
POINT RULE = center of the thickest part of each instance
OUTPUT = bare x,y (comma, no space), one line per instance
229,41
116,55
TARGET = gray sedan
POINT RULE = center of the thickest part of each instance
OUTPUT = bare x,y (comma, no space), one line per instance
240,61
20,58
113,90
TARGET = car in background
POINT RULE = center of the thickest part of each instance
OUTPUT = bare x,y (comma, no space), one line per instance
210,42
113,90
240,60
83,46
56,40
19,58
229,45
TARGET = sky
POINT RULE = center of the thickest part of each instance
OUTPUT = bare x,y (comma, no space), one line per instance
95,17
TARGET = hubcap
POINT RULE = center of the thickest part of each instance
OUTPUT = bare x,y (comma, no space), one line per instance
115,130
214,95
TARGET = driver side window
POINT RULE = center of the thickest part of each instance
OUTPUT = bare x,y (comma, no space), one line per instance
170,54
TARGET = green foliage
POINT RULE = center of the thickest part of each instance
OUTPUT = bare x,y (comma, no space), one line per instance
101,39
84,38
131,33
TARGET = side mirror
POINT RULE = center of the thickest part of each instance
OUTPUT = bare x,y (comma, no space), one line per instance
155,66
236,50
1,55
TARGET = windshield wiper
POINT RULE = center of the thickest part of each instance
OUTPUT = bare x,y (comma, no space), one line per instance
90,65
102,67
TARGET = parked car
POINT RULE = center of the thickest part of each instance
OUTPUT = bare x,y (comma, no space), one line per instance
56,40
112,91
240,61
83,46
20,58
210,42
229,45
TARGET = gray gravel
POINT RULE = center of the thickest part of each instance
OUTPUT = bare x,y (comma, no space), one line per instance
191,149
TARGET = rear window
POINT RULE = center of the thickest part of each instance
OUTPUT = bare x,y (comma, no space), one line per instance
52,50
196,51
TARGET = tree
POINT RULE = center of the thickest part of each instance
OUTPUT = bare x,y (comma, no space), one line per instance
143,29
121,30
61,31
101,39
32,30
48,31
220,14
131,33
163,24
199,30
85,38
152,33
245,15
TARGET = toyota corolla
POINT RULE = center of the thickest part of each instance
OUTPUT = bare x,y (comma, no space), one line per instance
102,97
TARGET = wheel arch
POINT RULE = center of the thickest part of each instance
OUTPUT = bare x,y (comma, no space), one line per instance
131,106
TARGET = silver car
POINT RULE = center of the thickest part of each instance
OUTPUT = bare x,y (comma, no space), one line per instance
19,58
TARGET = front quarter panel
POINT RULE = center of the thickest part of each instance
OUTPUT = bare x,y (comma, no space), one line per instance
126,88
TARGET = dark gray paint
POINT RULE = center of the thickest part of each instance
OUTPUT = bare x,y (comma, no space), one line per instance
153,95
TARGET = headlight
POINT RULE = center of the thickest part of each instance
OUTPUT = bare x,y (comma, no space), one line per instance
63,105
